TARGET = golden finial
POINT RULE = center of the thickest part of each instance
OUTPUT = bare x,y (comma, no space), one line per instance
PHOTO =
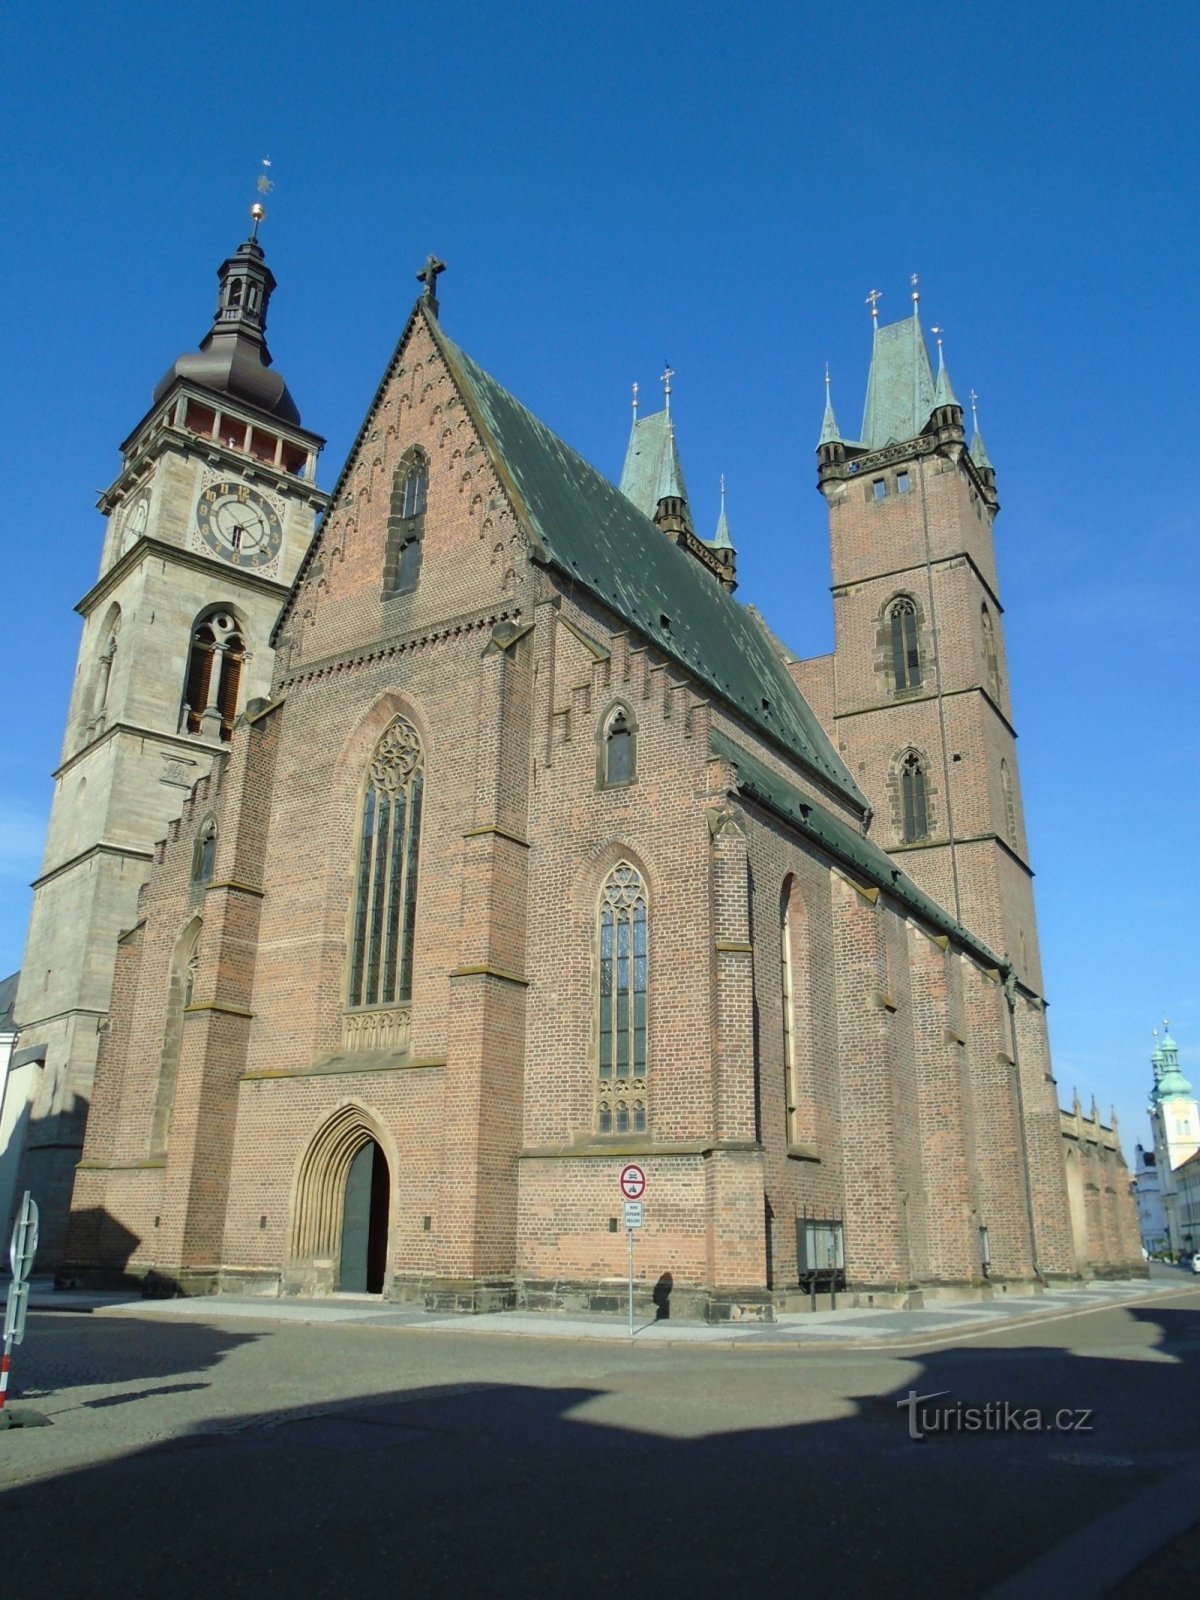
873,299
635,395
264,186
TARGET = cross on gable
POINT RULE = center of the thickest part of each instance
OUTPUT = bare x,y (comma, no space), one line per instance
428,275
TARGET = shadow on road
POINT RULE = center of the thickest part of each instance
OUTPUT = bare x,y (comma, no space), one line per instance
519,1490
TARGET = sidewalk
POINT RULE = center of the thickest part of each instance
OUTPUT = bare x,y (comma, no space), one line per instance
851,1328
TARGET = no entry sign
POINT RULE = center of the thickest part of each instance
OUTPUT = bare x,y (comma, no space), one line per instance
633,1182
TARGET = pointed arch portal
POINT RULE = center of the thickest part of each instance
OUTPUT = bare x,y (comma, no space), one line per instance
343,1204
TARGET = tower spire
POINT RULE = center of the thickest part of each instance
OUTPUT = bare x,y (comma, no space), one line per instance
943,389
829,427
979,453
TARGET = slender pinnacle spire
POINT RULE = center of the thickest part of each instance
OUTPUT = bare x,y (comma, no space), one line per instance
829,427
721,540
979,453
943,389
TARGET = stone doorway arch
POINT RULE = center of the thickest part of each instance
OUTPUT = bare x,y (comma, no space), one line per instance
343,1208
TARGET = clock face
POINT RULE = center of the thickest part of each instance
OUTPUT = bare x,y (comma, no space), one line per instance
239,524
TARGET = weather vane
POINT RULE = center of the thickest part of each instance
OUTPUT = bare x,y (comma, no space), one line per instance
975,410
667,374
873,299
916,292
635,395
264,186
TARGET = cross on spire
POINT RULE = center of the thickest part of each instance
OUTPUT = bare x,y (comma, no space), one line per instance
635,402
428,275
975,409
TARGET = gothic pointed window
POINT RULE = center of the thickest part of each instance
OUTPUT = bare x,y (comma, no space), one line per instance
1010,805
618,748
621,1101
214,675
990,654
406,524
912,798
205,852
902,639
383,928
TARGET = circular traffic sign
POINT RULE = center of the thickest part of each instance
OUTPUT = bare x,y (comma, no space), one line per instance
633,1182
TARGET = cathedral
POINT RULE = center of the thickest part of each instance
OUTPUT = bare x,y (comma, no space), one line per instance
428,854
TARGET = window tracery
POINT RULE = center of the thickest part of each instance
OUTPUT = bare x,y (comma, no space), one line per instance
623,991
383,926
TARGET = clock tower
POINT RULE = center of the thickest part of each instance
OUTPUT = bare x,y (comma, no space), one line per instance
208,520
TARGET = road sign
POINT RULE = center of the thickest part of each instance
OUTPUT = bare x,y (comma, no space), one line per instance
633,1182
633,1213
25,1239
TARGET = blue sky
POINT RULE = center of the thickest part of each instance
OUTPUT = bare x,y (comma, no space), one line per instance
615,185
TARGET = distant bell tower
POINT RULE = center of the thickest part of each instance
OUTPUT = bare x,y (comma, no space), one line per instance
208,519
921,695
1175,1120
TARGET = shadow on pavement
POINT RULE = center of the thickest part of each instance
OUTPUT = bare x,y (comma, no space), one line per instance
512,1490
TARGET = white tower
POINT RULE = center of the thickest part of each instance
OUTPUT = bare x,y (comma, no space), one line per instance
208,519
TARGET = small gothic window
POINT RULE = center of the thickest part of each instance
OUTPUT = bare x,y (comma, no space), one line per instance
385,893
214,675
1010,807
990,654
206,849
905,650
622,995
406,525
618,752
912,795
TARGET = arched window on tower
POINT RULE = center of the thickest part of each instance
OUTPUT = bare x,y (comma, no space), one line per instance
905,650
383,928
912,798
618,748
406,524
623,989
1010,805
990,655
214,675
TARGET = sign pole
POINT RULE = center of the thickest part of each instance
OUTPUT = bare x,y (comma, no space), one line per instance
629,1236
20,1254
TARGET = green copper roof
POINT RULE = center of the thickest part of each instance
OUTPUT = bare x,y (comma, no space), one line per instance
1171,1083
864,858
721,540
652,469
829,427
900,385
943,389
979,453
578,522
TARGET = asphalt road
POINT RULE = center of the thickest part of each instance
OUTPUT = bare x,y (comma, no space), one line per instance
254,1458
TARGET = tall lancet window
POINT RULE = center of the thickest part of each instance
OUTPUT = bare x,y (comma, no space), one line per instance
905,651
385,890
990,655
623,989
912,797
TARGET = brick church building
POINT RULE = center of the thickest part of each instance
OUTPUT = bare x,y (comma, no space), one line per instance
519,850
